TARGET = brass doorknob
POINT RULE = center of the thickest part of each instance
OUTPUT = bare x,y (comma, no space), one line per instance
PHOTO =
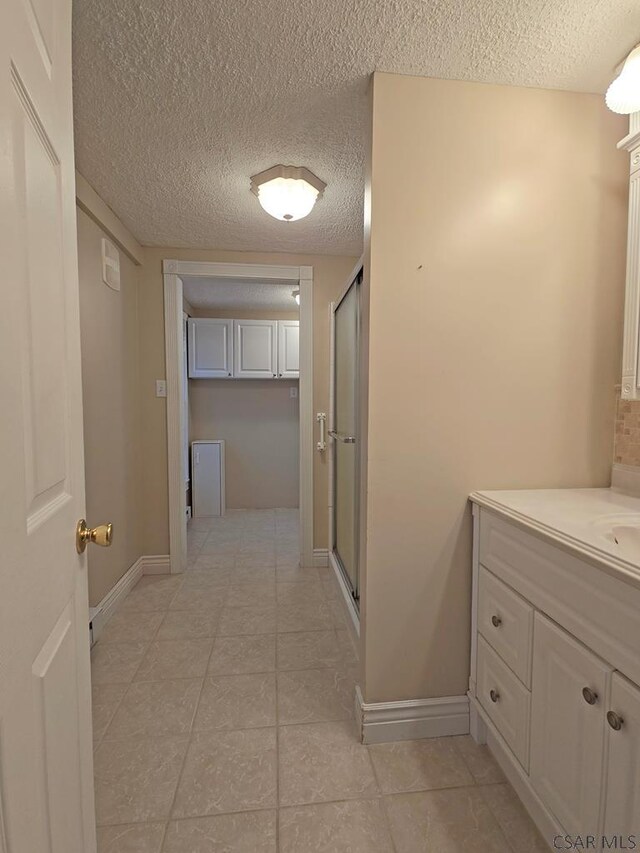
101,535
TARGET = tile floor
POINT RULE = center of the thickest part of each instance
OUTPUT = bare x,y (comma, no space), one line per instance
223,720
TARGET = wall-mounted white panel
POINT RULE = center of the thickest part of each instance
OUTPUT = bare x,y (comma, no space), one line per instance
207,479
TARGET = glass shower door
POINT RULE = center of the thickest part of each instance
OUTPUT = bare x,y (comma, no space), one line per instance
345,435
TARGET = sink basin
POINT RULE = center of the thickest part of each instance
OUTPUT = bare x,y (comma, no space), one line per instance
623,532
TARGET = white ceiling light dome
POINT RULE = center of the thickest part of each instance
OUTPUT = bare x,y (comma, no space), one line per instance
623,95
287,192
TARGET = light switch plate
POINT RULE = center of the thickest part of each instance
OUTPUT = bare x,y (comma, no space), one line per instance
293,392
161,387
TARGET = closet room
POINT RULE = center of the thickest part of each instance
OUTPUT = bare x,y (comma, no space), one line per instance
241,403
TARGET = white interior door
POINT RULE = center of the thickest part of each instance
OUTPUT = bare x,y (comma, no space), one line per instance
46,785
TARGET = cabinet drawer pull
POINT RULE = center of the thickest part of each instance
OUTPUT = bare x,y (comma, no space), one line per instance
614,720
494,695
589,696
496,621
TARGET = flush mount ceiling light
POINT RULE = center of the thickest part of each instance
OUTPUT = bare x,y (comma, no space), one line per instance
287,192
623,95
296,296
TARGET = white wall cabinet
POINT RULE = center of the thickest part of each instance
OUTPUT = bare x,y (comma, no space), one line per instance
210,348
243,349
555,668
255,349
288,349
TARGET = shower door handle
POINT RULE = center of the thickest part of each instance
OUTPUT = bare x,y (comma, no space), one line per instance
339,436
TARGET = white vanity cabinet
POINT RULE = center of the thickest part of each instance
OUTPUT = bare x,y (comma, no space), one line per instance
555,668
622,805
210,346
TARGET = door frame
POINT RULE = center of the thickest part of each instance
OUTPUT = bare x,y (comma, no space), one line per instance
302,276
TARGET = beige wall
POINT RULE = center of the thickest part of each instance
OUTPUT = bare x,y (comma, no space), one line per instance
259,423
330,273
109,328
495,287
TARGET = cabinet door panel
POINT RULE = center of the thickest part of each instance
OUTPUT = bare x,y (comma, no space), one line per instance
567,733
256,349
288,349
210,348
622,809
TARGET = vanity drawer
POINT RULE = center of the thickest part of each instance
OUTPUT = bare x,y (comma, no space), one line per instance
505,620
505,699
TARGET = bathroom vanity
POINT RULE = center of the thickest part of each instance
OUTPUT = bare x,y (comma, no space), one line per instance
555,655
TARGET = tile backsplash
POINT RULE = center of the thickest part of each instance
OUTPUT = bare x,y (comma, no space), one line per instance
627,438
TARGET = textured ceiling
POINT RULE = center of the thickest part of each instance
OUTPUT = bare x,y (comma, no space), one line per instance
178,102
236,294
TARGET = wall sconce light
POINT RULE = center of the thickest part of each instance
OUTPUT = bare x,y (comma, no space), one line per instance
287,192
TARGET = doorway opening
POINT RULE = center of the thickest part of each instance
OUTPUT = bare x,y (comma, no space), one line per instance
216,355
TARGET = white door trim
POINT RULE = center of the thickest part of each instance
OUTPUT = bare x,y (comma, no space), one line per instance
172,272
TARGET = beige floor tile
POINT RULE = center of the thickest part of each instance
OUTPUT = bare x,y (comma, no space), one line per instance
156,709
482,765
419,765
175,659
293,573
105,699
253,574
314,695
304,616
188,625
359,826
295,593
321,762
116,664
209,601
131,626
131,838
247,832
453,821
258,561
135,780
257,618
228,772
513,819
220,564
153,592
240,594
237,702
218,547
243,654
308,650
348,646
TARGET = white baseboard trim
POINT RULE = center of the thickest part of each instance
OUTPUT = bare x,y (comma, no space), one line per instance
383,722
157,564
320,558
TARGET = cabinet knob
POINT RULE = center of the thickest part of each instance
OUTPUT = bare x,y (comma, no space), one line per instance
496,621
494,695
614,720
589,696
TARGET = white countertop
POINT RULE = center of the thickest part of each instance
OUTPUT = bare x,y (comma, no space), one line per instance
575,519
